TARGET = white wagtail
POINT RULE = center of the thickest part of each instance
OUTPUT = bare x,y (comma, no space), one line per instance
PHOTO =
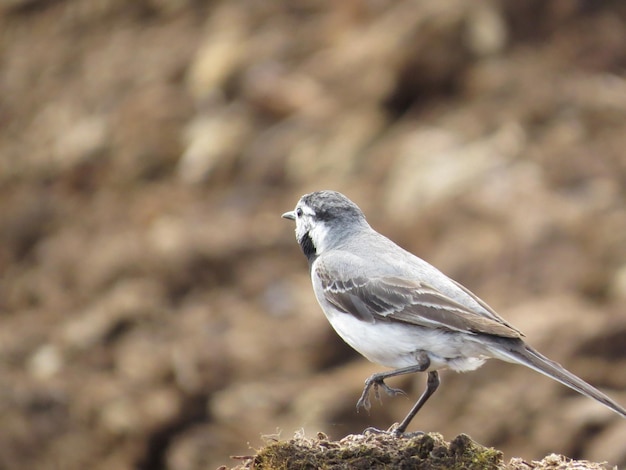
399,311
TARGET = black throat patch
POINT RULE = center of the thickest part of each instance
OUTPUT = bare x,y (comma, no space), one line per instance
308,248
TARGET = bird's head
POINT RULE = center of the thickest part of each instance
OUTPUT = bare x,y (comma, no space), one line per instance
323,220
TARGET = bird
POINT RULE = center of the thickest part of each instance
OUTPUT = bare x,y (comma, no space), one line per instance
401,312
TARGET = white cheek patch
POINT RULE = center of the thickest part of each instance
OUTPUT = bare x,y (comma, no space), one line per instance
319,235
301,229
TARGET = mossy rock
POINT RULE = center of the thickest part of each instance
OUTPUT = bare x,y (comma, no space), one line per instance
371,451
386,451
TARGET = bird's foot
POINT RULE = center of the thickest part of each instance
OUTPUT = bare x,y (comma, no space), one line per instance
390,390
376,382
372,430
393,430
409,435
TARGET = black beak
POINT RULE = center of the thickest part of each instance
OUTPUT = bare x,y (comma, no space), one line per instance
289,215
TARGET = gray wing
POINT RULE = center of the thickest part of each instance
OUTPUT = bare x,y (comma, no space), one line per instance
393,298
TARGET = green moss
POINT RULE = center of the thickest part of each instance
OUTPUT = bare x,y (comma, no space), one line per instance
384,451
377,451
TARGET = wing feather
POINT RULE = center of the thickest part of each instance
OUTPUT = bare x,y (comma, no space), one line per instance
392,298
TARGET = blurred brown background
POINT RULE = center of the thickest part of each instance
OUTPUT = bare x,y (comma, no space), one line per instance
156,312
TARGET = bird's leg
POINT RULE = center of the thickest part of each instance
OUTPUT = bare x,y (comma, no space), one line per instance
378,380
431,386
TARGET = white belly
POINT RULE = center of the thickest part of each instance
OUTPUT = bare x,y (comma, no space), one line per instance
397,345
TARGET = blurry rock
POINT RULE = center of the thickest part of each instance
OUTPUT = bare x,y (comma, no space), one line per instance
403,46
574,412
486,29
264,158
46,362
146,132
120,417
554,461
171,7
139,412
433,166
258,401
117,255
196,448
617,288
127,302
170,238
141,358
222,51
608,445
213,141
277,92
17,5
160,406
82,141
27,216
335,153
602,91
71,137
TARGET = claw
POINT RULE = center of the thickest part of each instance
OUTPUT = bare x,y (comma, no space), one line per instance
407,435
364,401
393,430
372,430
391,391
377,393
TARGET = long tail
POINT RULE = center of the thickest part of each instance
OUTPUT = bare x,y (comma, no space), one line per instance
521,353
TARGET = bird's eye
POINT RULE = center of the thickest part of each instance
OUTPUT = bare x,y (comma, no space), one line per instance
298,212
